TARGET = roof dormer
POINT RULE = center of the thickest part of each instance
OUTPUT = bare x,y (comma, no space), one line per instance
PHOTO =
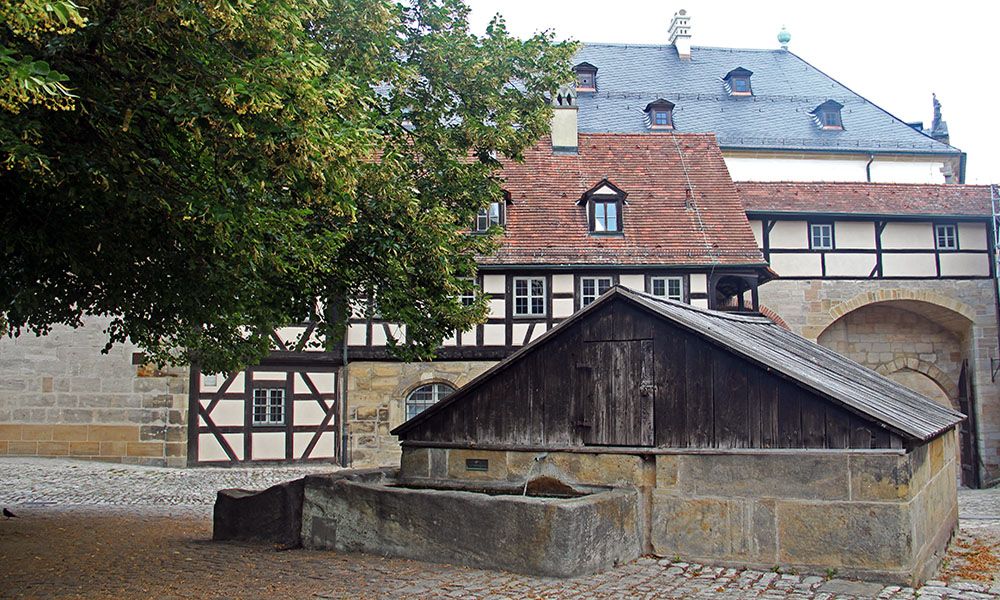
586,77
827,116
660,114
604,203
737,82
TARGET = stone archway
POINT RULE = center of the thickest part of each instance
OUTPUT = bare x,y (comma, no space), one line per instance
917,343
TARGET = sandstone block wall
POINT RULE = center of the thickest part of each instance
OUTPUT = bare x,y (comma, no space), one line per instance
376,392
59,396
873,514
903,328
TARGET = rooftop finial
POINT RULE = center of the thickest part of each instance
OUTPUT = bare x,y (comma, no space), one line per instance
784,37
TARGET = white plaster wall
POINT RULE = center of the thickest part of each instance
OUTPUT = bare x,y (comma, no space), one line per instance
908,235
357,334
845,265
518,331
498,308
494,334
898,171
854,234
699,283
743,167
308,412
959,265
972,236
562,307
562,284
796,265
758,232
633,281
909,265
268,446
789,234
227,413
494,284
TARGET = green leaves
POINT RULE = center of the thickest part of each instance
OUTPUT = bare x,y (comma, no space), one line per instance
217,167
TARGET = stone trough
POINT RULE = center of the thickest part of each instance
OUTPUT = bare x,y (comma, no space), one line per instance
544,528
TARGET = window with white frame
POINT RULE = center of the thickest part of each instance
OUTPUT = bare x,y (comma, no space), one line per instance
490,216
671,288
821,236
605,216
529,296
592,287
468,296
426,396
269,406
946,237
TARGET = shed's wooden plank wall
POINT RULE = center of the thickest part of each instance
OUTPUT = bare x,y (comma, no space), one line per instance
703,397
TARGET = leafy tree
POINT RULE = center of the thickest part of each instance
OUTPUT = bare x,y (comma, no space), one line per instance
202,172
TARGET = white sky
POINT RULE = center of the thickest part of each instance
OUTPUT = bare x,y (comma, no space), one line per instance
894,53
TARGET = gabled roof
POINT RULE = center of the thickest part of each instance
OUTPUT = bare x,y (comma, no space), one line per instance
761,341
786,89
546,226
928,200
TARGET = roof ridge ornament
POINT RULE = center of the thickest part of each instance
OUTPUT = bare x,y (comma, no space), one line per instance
784,37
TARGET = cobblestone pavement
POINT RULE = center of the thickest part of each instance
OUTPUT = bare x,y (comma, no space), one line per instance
91,530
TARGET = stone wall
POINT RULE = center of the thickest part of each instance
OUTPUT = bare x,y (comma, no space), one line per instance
60,396
902,327
871,514
376,392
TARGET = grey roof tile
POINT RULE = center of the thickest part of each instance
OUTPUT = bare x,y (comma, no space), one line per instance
786,89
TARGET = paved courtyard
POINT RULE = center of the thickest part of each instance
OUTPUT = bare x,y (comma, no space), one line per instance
93,530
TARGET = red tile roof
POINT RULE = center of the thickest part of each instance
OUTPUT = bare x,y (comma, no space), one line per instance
545,225
867,198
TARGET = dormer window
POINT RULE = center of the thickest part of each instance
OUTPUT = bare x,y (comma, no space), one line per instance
494,215
827,115
604,204
737,82
660,114
586,77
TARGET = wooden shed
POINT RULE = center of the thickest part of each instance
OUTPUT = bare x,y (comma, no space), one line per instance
751,445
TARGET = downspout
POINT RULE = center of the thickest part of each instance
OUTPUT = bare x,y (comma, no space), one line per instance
868,167
343,406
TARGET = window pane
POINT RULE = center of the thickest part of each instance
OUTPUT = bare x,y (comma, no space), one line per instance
612,218
588,287
659,288
599,216
537,287
520,286
521,306
494,213
603,285
538,306
674,289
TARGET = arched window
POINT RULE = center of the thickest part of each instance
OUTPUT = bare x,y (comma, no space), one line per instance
424,396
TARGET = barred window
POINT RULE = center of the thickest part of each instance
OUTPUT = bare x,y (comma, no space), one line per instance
269,406
426,396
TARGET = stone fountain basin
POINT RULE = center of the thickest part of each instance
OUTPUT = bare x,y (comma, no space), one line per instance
493,527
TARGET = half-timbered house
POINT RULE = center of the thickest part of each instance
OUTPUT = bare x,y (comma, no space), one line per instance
879,250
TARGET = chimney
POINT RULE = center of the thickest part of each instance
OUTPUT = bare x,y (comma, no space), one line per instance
680,34
564,121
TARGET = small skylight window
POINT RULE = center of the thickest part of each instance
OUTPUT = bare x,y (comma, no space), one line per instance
737,82
586,77
660,114
827,115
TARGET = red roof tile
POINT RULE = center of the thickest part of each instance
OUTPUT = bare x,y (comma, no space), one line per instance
545,225
867,198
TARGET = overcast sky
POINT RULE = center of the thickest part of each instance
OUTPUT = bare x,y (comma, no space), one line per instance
894,53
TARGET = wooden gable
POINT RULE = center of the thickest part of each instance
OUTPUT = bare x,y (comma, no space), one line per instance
619,376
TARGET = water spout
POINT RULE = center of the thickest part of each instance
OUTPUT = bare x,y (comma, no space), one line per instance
527,478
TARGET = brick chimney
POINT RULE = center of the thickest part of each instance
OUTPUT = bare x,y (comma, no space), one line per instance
680,34
564,121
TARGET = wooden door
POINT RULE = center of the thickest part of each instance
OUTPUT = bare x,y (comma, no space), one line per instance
618,393
967,429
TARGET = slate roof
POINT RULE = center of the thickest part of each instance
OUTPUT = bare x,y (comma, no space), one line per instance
546,225
760,340
785,90
927,200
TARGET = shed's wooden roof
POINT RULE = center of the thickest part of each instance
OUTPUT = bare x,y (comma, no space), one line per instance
760,340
